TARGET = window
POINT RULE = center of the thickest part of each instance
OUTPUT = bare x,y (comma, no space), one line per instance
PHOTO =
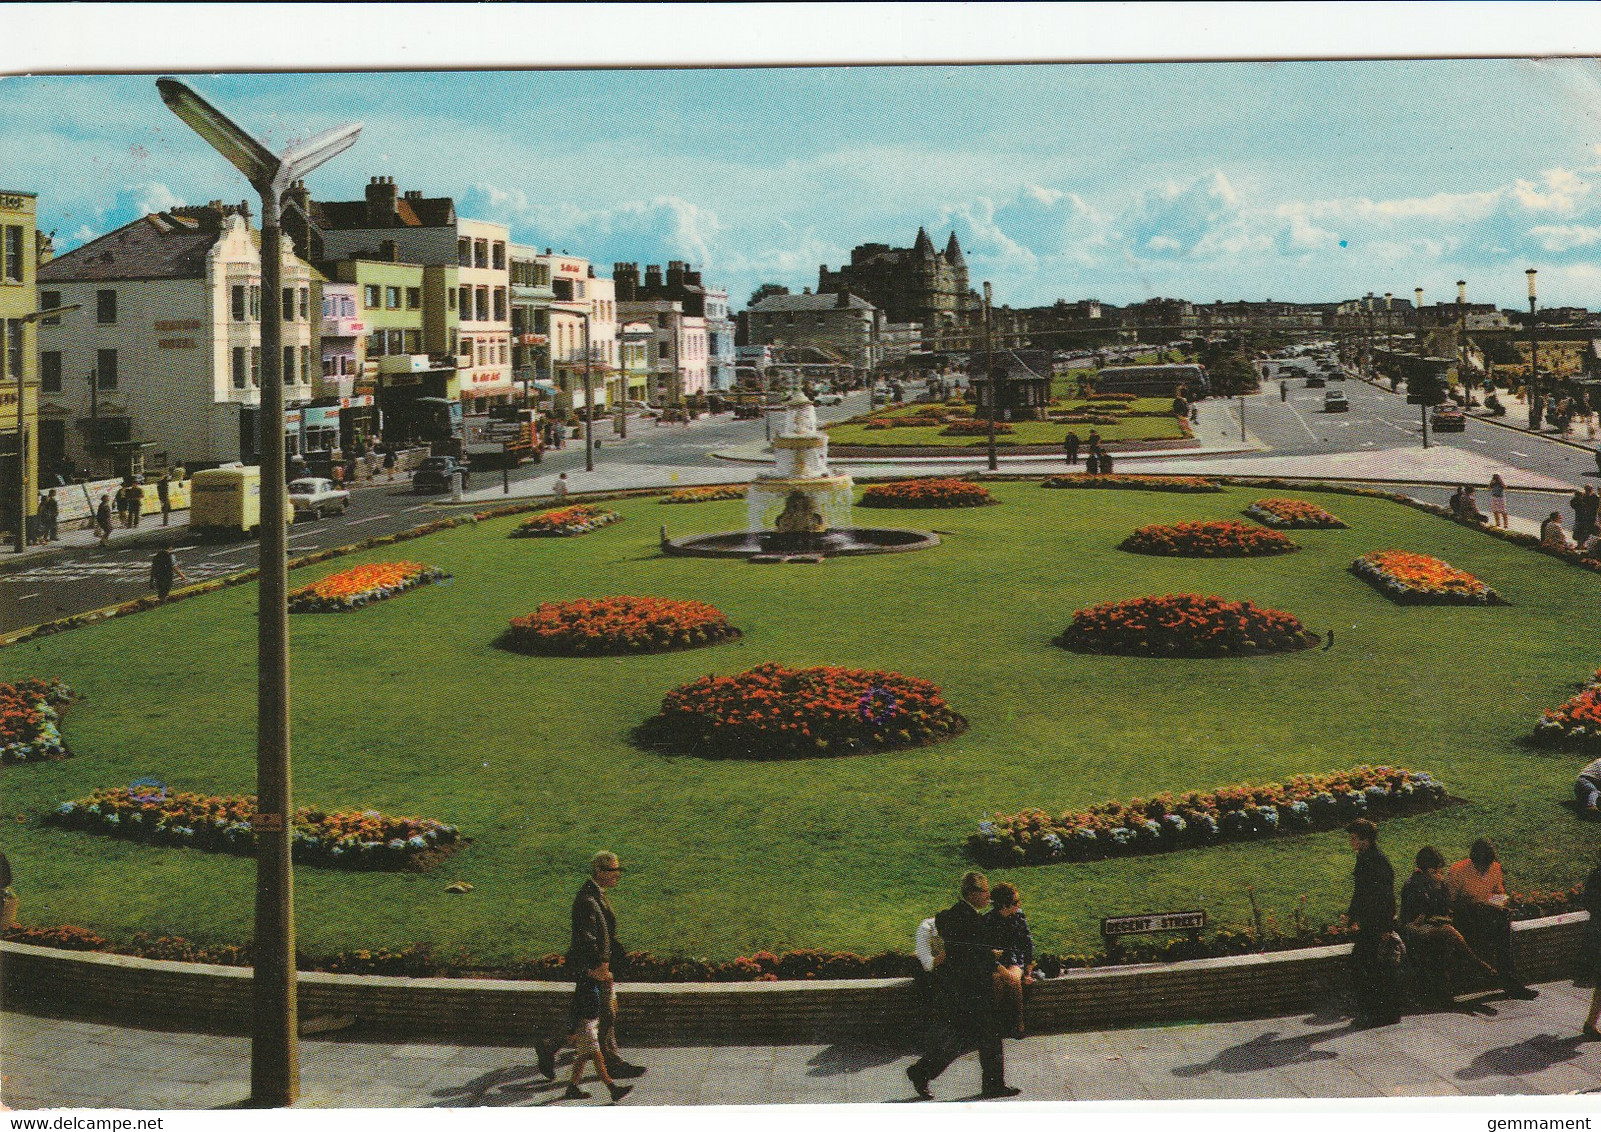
498,256
464,252
661,321
12,266
450,298
466,302
480,253
305,364
241,366
541,275
106,367
106,306
411,341
49,301
563,290
481,304
305,304
465,347
255,302
288,304
289,365
375,344
369,296
661,349
13,349
50,371
413,298
392,298
500,304
239,304
255,366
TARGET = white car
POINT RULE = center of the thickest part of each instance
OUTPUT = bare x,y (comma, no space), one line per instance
829,399
317,497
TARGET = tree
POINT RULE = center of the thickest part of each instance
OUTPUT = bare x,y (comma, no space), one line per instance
766,290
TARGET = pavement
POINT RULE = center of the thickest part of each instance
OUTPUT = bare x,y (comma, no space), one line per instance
1488,1046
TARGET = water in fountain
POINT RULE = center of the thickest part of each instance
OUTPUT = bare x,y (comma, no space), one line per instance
800,495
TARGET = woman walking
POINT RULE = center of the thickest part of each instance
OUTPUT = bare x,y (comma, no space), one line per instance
1498,501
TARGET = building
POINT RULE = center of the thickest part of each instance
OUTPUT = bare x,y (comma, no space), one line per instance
559,305
842,325
19,376
720,347
898,341
676,348
915,284
163,364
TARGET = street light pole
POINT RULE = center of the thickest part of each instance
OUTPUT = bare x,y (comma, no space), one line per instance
1423,410
1462,335
989,379
1536,402
24,483
275,1048
589,399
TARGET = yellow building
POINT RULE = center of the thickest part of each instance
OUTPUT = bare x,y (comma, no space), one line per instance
19,376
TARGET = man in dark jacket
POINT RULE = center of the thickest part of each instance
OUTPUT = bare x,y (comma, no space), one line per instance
1372,918
965,996
592,956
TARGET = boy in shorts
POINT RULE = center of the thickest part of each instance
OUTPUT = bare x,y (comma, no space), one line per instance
586,1040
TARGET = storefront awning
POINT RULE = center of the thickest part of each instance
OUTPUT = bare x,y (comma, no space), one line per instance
545,387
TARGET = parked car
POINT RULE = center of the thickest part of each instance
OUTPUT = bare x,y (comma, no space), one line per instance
1315,381
829,398
1334,402
1448,418
435,472
317,497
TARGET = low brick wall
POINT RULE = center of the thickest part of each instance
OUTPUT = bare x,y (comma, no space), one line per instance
202,997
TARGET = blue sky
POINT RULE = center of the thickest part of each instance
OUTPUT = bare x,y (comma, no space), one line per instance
1306,181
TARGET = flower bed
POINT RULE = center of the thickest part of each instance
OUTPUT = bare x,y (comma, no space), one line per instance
975,428
1418,579
1225,538
1084,419
362,585
578,519
351,839
1295,514
1234,813
612,626
927,493
30,720
1189,485
704,494
774,712
1184,625
1114,396
1576,724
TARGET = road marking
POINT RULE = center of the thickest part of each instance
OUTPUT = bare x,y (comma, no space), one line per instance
368,519
1515,452
1476,440
25,597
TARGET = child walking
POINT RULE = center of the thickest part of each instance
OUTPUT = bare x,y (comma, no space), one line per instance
586,1040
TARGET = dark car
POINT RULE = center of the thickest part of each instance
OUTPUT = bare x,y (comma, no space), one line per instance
434,474
1315,381
1334,402
1448,418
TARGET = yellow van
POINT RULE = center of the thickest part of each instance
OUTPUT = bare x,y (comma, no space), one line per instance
227,500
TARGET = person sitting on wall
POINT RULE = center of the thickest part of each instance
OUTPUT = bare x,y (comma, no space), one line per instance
1431,937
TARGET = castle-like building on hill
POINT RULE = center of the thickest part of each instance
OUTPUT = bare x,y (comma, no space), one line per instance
916,284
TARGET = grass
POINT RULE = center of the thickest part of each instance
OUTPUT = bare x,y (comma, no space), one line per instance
1023,432
407,707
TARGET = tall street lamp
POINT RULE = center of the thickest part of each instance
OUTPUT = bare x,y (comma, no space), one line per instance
989,380
1423,410
274,1047
1536,402
20,544
1462,334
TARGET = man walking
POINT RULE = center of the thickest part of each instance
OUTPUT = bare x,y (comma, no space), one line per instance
162,568
1372,918
1586,504
591,956
965,996
164,494
1070,448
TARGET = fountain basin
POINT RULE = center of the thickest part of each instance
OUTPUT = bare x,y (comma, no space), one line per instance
831,543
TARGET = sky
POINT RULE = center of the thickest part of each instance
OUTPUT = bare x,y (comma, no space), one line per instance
1307,181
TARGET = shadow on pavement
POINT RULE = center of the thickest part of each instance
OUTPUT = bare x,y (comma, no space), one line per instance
1539,1052
1265,1051
849,1059
513,1085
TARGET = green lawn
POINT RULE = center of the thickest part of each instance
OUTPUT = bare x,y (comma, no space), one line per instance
1024,432
408,708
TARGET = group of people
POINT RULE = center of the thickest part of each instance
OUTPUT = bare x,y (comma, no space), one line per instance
1586,505
1097,460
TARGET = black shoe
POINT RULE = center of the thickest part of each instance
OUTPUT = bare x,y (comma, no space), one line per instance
574,1093
1000,1091
1521,991
1591,1034
624,1070
618,1092
919,1083
545,1051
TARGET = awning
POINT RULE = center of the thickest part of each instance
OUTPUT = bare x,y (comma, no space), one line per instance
546,387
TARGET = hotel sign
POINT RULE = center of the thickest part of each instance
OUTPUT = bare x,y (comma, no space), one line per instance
11,200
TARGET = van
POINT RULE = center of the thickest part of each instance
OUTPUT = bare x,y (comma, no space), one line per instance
227,501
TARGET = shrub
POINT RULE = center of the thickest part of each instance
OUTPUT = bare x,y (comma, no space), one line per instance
578,519
704,494
612,626
927,493
975,428
1297,514
1421,580
30,720
1183,625
1234,813
1189,485
1227,538
774,712
362,585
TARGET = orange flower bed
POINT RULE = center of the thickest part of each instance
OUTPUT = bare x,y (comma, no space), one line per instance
362,585
1185,485
704,494
1184,625
30,720
578,519
1576,724
1421,580
774,712
927,493
1296,514
611,626
1226,538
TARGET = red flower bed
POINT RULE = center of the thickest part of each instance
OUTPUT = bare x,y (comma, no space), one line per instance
362,585
578,519
30,718
1418,579
774,712
1186,485
927,493
975,428
1226,538
1293,513
1576,724
610,626
704,494
1184,625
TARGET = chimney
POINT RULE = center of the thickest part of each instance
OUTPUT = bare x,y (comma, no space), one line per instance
301,199
414,194
381,202
626,276
844,299
653,277
692,279
675,273
388,251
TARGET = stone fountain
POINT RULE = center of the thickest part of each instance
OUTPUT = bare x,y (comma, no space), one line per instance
800,509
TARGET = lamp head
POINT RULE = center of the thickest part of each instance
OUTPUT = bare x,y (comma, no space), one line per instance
1531,274
35,316
221,132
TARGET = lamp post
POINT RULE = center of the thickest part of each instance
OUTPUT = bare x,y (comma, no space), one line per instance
1423,410
1389,333
989,380
20,544
1536,402
274,1045
1462,334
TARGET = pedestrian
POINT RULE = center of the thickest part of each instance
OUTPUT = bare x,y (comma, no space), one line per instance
136,503
389,463
1592,949
164,495
1070,448
50,515
1598,461
102,520
1106,462
1092,462
965,996
1551,533
594,957
162,567
559,488
1095,438
1284,391
371,459
1479,907
1585,506
1587,791
1371,916
124,504
1498,501
1014,969
8,896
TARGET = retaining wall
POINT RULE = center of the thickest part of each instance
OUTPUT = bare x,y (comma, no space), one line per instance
203,997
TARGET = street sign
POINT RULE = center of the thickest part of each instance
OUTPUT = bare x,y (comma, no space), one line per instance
502,431
1155,922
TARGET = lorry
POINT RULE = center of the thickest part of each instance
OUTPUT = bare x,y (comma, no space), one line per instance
227,501
505,434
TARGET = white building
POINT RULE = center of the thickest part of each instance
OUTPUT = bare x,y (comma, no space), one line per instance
165,357
720,349
677,348
578,293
